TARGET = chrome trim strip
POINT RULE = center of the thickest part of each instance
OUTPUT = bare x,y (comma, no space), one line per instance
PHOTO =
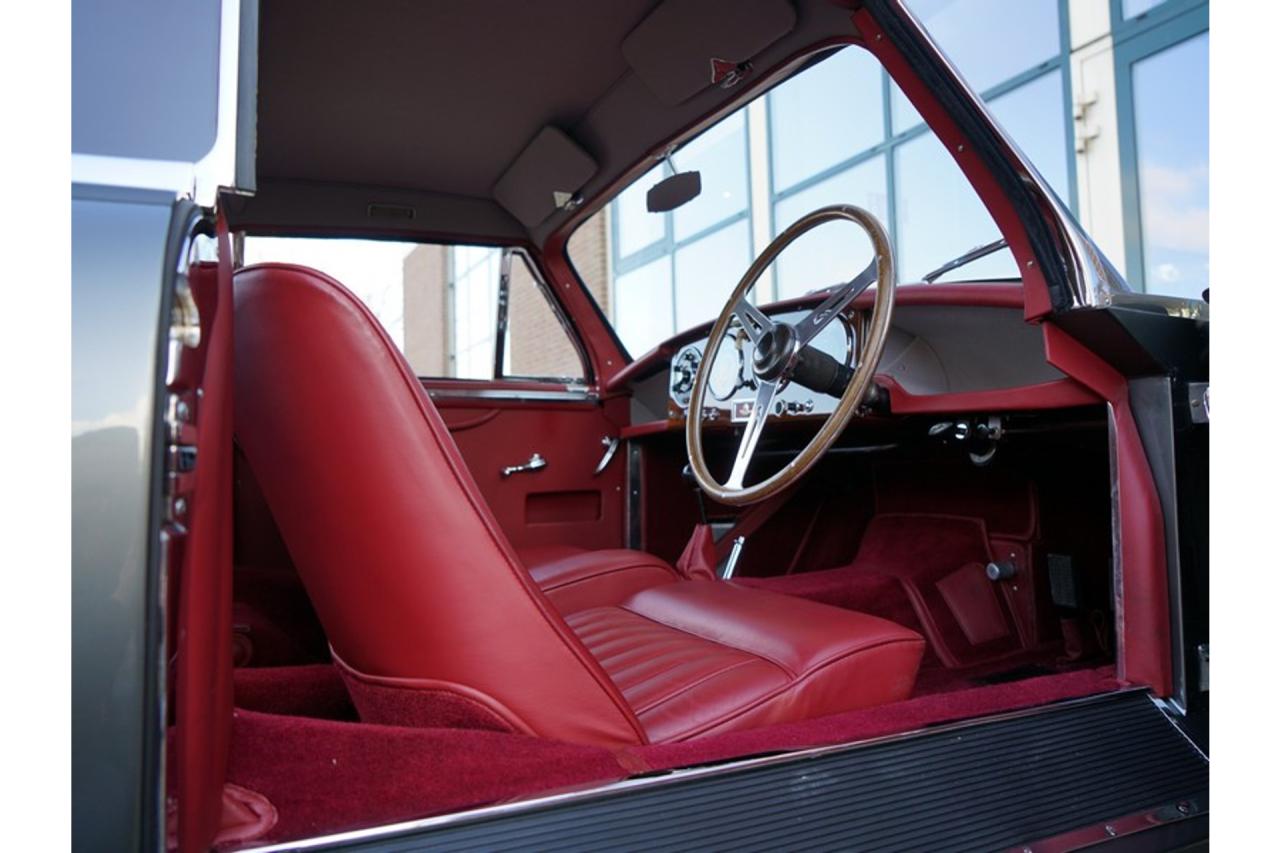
1093,279
567,395
612,789
634,509
1171,306
1172,713
1095,834
1117,541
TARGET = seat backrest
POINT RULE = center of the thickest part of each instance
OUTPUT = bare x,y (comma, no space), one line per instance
418,589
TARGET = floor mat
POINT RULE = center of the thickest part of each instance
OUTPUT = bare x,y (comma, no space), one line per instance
925,572
326,776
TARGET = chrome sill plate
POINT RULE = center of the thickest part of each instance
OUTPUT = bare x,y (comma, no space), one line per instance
389,832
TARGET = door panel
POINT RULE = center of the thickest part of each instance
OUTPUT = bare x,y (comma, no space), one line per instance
563,503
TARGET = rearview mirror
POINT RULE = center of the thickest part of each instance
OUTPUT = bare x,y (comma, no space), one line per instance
670,193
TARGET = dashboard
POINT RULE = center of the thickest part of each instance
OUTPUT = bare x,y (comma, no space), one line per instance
950,348
731,385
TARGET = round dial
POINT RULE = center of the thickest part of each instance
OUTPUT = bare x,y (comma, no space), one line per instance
837,341
683,370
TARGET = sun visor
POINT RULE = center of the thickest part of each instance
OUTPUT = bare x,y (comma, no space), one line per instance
682,48
546,175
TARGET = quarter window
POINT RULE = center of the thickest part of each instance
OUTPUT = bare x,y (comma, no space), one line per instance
439,304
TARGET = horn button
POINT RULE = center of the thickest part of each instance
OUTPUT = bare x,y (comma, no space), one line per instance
774,351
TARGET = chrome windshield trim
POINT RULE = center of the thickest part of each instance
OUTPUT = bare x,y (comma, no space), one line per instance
390,831
1093,280
1172,306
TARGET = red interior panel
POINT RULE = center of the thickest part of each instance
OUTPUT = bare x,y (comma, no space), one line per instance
565,503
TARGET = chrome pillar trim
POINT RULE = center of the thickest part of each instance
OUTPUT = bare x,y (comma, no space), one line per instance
1092,279
504,302
634,511
1117,543
389,831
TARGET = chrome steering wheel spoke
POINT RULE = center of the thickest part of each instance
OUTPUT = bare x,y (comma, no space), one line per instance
817,319
751,433
754,321
780,355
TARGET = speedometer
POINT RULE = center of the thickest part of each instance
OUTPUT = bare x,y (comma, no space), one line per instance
837,341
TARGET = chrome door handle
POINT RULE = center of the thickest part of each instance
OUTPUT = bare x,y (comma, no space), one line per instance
610,444
535,463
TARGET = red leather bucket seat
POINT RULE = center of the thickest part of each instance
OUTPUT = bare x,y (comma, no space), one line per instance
430,613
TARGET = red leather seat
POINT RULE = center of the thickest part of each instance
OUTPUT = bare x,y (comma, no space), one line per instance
431,615
576,579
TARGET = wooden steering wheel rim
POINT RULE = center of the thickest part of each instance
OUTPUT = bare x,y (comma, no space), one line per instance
871,345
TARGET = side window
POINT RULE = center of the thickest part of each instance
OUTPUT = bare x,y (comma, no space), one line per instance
537,343
440,304
534,342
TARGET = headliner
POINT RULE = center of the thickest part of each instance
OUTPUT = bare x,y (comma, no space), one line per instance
428,103
434,95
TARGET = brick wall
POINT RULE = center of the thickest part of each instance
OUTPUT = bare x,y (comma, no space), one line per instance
426,310
539,345
589,250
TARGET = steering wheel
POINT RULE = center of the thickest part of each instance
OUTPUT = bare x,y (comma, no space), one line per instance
783,354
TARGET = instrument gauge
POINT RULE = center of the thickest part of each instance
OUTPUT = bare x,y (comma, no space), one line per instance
683,371
837,341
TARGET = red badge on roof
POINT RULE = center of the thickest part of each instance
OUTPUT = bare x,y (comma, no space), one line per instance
726,74
722,68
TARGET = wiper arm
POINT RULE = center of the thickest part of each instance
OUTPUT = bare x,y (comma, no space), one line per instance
967,258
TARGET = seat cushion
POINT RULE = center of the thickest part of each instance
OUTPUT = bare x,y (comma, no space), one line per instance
702,657
576,579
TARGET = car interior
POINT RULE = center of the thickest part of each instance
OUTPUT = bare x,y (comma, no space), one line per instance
846,514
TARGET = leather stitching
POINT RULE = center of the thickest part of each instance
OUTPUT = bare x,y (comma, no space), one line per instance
763,700
688,687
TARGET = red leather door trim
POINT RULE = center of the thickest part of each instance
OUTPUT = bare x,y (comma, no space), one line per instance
202,672
1144,651
565,503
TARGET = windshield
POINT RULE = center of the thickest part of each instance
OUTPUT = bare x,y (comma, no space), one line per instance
839,131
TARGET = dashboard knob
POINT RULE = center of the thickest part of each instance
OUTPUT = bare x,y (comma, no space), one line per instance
1001,571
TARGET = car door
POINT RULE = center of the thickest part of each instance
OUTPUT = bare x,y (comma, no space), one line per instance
535,433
